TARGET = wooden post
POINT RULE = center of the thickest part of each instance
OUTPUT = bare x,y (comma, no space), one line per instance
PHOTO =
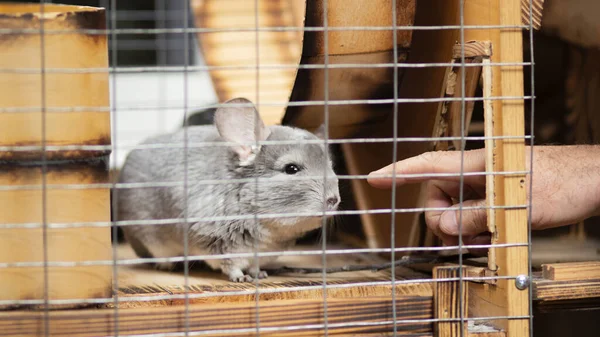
29,101
509,226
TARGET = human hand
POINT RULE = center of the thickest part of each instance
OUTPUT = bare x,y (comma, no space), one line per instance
566,188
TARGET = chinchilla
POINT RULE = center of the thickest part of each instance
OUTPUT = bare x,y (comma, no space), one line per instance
265,185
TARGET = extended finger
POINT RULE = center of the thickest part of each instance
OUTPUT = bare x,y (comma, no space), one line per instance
446,163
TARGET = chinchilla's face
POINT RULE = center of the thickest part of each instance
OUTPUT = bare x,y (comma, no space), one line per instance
299,177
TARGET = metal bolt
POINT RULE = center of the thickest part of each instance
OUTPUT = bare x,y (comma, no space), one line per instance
522,282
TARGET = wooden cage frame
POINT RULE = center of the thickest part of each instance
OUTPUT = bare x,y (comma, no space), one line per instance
357,295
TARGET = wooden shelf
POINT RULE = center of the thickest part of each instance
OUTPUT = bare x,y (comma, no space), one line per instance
213,287
289,300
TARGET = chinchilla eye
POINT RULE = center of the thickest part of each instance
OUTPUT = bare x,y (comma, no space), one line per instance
291,169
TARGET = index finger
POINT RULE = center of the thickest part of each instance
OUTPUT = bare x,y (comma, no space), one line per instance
446,163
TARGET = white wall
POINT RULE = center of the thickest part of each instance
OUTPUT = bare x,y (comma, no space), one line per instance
147,104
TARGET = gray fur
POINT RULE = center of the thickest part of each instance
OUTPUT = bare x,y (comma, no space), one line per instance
279,196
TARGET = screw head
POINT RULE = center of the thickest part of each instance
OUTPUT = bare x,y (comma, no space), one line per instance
522,282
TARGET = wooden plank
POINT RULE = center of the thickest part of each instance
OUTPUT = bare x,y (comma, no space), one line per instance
207,286
450,302
571,271
509,226
64,205
549,290
344,317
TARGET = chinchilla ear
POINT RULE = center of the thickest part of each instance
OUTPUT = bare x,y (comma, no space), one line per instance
320,131
238,122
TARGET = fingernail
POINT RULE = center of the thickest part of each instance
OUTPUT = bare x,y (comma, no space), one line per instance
378,172
448,222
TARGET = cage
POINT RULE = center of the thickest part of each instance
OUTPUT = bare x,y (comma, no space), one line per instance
111,200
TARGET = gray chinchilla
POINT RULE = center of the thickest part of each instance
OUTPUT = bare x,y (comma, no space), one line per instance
277,194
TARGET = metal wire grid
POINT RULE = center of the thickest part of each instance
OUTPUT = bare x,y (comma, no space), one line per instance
115,262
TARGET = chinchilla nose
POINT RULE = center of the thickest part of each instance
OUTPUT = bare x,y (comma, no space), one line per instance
333,201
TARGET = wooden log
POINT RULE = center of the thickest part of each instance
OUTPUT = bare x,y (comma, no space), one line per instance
21,202
25,109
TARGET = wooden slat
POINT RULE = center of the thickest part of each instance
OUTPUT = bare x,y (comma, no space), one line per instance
63,205
86,91
343,316
450,302
571,271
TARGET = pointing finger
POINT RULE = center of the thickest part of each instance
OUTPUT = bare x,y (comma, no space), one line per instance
447,163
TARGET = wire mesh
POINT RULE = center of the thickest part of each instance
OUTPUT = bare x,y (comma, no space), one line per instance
175,109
